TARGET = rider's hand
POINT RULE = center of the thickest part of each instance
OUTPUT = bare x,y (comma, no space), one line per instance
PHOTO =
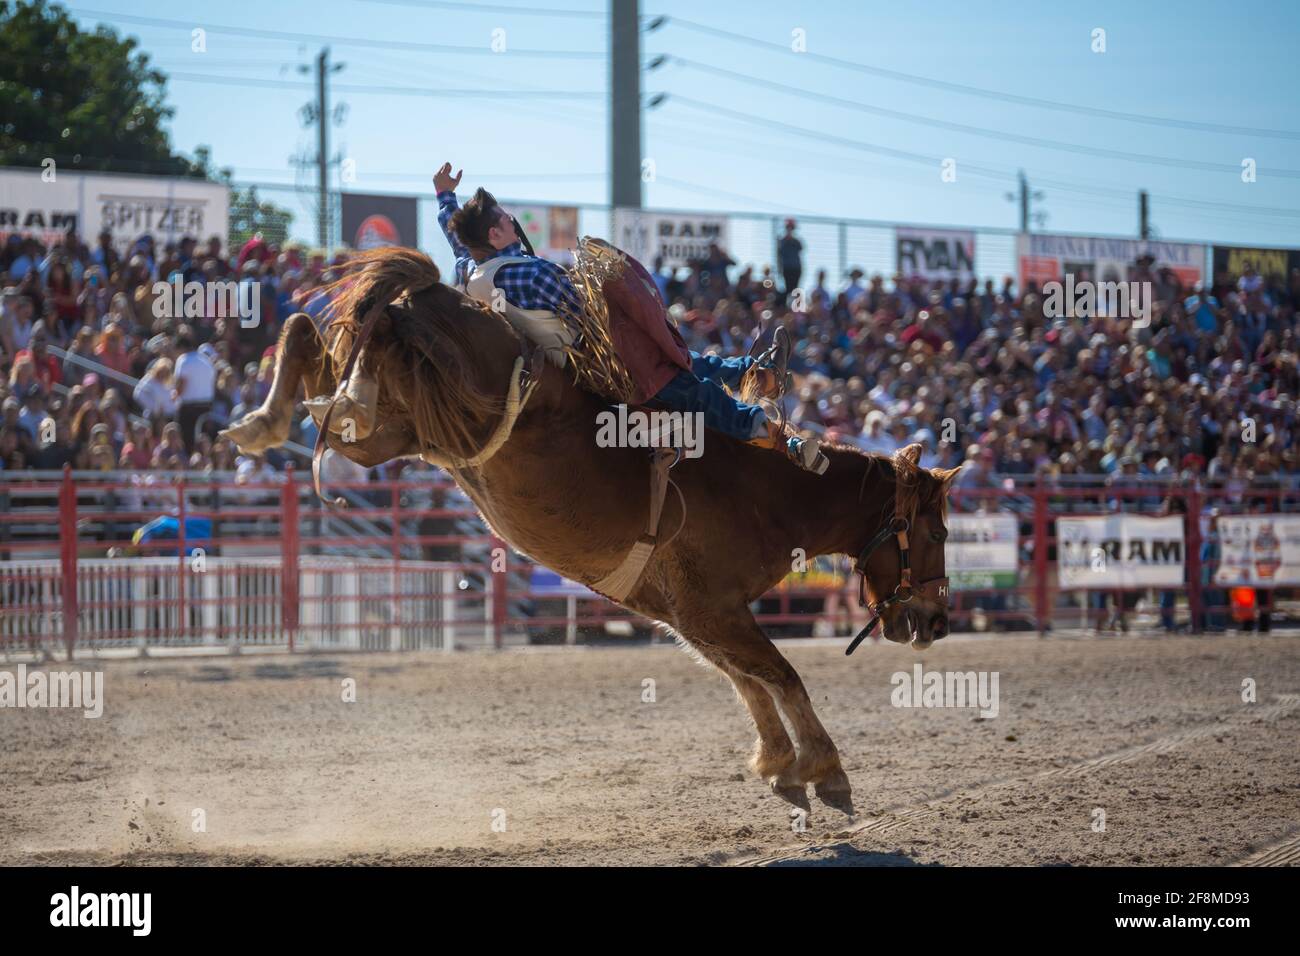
444,181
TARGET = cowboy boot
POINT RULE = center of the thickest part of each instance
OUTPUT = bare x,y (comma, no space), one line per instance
804,452
769,369
768,377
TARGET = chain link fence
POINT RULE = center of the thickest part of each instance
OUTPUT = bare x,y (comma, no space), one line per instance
835,245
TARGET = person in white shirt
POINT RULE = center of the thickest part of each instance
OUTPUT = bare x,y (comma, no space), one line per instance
153,393
196,386
875,438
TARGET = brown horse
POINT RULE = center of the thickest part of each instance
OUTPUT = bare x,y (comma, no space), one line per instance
444,363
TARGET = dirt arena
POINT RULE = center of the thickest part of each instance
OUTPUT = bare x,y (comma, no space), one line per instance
559,745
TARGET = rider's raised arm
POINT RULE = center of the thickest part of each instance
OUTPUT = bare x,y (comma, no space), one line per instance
447,206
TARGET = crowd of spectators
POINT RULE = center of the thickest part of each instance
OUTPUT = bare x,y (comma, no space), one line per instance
977,373
138,384
974,371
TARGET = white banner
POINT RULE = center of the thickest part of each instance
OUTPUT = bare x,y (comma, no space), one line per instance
678,238
982,551
553,230
1045,258
1119,551
127,206
1261,551
934,253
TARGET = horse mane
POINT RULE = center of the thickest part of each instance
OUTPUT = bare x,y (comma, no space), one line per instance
914,485
423,350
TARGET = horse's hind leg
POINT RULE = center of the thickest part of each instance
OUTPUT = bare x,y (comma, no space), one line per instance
298,357
736,639
774,752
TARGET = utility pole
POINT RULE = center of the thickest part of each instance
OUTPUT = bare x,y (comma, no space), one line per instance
322,147
624,104
318,113
1025,196
1144,215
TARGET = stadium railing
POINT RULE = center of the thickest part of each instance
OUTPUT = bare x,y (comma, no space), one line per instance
93,561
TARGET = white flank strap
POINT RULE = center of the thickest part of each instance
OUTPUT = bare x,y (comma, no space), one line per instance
515,402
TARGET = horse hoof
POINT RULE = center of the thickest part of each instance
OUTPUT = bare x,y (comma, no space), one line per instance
255,433
836,792
794,794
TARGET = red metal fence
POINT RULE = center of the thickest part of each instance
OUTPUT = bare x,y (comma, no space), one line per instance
410,565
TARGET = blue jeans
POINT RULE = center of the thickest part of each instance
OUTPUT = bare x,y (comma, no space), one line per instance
699,391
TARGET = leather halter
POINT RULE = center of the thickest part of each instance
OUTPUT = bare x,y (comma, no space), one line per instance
936,589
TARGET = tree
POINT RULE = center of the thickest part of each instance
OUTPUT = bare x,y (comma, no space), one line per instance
249,216
87,100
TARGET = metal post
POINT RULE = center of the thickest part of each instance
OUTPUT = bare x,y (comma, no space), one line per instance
844,249
1193,538
183,553
1042,610
624,105
395,598
289,546
322,146
500,585
68,557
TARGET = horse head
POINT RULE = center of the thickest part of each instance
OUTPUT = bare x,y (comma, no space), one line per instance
903,568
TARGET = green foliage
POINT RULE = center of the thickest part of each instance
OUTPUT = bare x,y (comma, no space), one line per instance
88,100
249,216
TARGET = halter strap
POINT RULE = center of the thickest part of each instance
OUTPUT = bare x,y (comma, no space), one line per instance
897,527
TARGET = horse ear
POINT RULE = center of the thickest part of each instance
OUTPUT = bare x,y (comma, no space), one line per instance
947,476
912,452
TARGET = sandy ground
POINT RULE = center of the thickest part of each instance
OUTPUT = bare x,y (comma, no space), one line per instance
559,746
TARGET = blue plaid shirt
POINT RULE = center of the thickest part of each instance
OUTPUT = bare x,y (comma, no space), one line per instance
535,284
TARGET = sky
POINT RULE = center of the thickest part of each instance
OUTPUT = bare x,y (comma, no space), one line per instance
856,125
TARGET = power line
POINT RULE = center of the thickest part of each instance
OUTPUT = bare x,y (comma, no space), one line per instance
493,8
969,90
384,90
886,150
300,38
711,191
963,127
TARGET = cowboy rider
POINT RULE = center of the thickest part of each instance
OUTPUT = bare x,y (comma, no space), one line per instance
494,267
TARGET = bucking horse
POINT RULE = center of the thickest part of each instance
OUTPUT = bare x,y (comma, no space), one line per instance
458,386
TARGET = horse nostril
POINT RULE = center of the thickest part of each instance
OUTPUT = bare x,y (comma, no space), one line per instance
938,626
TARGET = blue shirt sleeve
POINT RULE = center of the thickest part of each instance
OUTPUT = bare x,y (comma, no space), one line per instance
447,205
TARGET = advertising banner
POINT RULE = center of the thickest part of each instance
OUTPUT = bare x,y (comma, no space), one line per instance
553,230
982,552
1120,551
1260,551
934,253
1044,258
679,238
371,221
1231,261
47,205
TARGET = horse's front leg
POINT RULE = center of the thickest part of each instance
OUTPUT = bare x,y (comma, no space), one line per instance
298,358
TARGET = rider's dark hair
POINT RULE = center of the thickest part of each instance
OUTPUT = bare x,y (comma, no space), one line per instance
472,221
